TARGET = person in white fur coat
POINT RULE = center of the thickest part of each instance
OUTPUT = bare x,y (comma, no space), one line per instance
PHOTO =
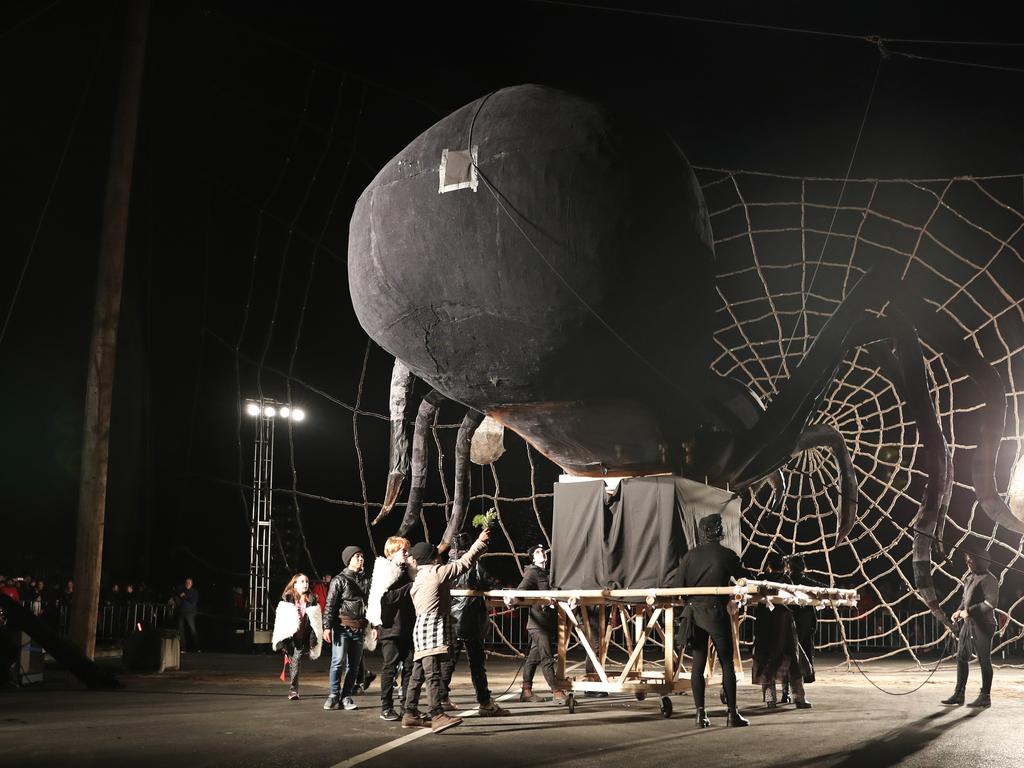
390,610
298,628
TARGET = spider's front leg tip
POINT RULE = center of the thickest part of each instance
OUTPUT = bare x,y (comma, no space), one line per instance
394,487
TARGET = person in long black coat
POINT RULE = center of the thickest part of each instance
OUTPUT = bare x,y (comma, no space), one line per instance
777,653
806,618
704,618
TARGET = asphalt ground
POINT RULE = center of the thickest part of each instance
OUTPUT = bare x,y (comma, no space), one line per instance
231,710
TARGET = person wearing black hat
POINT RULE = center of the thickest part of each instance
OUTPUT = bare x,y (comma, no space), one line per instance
344,624
542,628
777,653
431,596
806,618
710,565
977,612
469,623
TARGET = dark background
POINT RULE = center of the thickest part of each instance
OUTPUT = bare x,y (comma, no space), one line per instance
260,125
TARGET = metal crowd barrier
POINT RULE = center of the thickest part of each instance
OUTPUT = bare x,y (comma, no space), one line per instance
113,622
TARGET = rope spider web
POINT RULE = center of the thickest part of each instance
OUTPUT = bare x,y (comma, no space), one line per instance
959,241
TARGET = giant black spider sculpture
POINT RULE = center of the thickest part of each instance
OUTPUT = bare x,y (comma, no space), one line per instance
547,261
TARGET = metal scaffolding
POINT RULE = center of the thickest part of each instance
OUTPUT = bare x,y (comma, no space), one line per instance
260,522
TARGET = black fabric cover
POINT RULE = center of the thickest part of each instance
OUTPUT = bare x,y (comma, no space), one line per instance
636,537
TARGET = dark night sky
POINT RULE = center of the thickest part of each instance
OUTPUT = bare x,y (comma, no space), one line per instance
256,121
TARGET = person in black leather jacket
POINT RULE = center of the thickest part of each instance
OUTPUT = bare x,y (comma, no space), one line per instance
469,622
344,625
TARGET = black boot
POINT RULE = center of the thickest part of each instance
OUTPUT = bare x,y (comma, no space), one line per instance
702,718
956,700
984,700
735,720
785,695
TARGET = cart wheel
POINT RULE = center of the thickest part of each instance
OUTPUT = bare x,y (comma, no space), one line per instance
721,695
640,695
666,706
571,702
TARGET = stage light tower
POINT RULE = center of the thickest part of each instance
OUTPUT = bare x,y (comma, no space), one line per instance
265,411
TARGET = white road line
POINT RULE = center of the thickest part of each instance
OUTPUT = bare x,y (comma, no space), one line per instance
402,740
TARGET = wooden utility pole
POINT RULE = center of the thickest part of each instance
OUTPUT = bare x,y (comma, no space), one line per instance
99,388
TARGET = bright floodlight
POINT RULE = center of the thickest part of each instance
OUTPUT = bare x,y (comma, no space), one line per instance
298,414
252,409
285,411
269,412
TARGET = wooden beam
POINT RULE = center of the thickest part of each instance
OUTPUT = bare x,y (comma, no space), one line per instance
598,666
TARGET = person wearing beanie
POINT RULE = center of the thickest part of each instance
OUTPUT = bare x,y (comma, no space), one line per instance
431,596
469,624
710,565
391,612
542,628
344,624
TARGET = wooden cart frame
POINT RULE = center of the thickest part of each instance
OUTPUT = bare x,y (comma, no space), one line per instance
646,616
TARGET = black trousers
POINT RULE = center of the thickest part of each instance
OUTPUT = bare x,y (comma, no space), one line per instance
426,670
396,651
975,638
296,652
477,671
722,641
540,656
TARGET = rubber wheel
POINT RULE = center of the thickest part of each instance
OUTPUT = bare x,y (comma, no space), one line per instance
571,703
721,695
640,695
666,706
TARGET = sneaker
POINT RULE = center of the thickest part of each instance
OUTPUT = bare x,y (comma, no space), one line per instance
443,722
413,719
390,715
527,694
347,703
492,709
332,703
559,699
448,705
293,696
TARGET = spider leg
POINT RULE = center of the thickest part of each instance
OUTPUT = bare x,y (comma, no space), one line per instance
824,436
777,480
944,335
907,372
779,432
769,443
469,424
418,482
401,383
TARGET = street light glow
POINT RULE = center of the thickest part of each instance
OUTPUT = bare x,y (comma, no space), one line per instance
298,414
269,412
252,409
285,411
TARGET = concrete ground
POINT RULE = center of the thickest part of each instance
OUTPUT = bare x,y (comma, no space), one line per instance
230,710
